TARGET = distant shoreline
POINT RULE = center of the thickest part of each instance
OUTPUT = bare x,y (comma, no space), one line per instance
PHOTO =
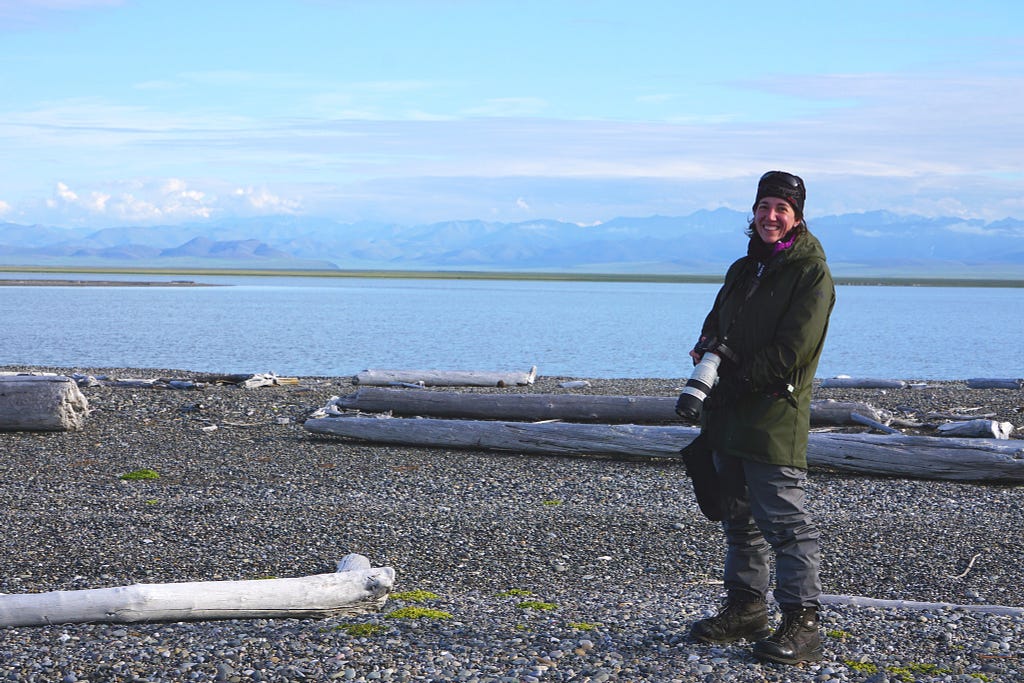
891,281
100,283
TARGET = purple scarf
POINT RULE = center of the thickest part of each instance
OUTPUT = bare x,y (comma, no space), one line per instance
783,246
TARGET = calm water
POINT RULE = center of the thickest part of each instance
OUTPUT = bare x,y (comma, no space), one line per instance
316,326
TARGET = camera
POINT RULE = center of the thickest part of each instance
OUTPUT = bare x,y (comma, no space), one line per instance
703,378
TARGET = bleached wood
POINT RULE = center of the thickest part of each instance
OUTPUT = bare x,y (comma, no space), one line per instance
920,457
354,589
983,428
990,383
860,601
874,424
259,380
527,407
48,403
957,417
879,603
568,407
446,378
861,383
829,412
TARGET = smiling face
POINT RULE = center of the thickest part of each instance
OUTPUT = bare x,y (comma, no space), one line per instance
774,217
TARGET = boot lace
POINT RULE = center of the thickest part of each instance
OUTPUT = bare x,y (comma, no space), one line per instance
791,625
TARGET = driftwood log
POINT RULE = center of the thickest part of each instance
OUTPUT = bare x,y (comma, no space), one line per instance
921,457
989,383
445,378
567,407
355,588
861,383
830,412
47,403
247,381
990,429
859,601
873,424
526,407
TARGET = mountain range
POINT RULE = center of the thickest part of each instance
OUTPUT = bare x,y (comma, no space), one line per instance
874,243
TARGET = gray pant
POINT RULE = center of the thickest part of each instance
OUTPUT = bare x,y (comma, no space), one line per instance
765,511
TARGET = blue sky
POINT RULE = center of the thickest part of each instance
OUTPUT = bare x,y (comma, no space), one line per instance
142,112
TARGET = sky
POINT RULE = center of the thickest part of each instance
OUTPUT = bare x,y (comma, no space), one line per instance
149,112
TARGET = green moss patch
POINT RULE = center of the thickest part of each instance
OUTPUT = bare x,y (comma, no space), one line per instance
862,667
909,673
582,625
136,475
415,596
361,630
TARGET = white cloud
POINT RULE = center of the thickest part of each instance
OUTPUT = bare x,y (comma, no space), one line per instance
137,201
4,207
131,208
264,201
979,230
97,202
904,143
859,232
65,193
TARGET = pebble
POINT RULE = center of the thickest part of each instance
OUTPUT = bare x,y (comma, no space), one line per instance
625,557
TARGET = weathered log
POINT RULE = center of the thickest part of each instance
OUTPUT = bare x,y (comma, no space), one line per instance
247,381
920,457
445,378
879,603
861,383
354,589
957,417
989,383
47,403
830,412
874,424
984,428
525,407
860,601
568,407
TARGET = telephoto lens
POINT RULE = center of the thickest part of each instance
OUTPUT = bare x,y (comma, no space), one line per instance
697,388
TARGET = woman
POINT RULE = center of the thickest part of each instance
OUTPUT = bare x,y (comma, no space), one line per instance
771,316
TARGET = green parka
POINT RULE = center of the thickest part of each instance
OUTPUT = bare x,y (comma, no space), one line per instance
777,335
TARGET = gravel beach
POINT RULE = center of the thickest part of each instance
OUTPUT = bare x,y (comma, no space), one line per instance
612,554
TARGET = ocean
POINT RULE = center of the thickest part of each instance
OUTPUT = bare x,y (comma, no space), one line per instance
314,326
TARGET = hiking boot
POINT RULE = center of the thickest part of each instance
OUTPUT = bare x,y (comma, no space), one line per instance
796,639
738,618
